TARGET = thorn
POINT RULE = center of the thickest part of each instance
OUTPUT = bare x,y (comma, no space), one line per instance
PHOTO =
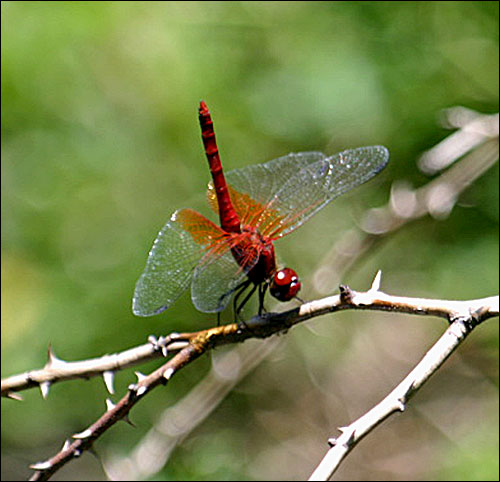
66,445
376,281
140,376
350,432
109,377
478,314
132,387
53,361
159,343
41,465
401,405
142,390
77,453
44,388
50,356
109,405
332,442
127,419
168,373
85,434
14,396
345,294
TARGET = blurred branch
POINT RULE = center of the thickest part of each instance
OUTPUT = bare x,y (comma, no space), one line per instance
396,401
473,312
474,129
436,198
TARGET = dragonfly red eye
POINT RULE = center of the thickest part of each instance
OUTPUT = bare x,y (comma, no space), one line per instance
285,284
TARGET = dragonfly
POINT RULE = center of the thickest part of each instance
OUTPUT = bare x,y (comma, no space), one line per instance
256,205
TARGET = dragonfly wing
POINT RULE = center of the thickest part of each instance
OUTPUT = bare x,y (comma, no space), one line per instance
258,183
214,283
316,184
177,250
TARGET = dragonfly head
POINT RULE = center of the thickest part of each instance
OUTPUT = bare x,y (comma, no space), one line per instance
284,284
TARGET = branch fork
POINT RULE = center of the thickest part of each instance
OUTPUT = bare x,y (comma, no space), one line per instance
463,316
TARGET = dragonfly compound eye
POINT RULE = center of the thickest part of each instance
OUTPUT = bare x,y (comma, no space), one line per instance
284,284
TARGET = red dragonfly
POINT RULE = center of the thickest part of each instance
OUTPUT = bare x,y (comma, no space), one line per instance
256,206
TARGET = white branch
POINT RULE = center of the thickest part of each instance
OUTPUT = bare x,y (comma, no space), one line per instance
466,316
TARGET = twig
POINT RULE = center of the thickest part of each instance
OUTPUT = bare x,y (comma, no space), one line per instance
397,399
57,370
262,327
85,439
177,421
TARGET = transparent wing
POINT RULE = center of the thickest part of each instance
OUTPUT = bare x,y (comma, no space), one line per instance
180,245
218,274
318,183
214,283
289,190
255,185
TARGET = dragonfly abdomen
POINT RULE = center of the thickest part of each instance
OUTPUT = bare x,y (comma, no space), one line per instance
229,219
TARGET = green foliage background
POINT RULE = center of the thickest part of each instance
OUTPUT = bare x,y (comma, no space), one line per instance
100,144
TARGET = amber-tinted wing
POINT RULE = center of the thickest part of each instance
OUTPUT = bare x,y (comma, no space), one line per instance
252,187
249,210
178,249
287,191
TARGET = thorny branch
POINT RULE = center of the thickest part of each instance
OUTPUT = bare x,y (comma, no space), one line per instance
478,136
57,370
470,313
396,401
472,149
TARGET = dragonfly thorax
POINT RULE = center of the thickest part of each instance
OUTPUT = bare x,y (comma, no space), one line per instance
255,254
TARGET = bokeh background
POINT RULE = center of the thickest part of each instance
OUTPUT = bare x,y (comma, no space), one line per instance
101,143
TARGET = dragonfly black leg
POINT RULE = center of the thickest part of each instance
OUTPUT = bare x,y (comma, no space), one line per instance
239,307
239,290
262,293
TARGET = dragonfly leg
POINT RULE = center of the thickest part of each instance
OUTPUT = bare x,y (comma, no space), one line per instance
239,288
262,293
239,307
